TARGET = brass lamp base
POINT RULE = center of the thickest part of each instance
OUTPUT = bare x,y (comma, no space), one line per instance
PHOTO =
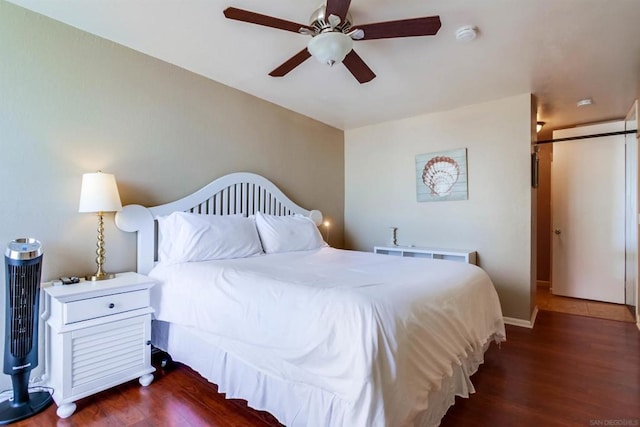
100,274
103,276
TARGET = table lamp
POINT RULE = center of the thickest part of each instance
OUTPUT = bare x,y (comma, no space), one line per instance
99,194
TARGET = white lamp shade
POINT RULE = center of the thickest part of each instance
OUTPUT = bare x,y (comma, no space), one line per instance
330,47
99,193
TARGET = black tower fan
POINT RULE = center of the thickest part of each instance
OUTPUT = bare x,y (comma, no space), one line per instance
23,265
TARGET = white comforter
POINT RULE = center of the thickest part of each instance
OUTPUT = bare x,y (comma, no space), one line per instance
377,333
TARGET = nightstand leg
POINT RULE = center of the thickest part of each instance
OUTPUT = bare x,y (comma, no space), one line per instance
65,410
145,380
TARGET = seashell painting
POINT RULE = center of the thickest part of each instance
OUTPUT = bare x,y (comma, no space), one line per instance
442,176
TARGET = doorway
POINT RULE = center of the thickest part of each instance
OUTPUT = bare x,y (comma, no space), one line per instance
626,263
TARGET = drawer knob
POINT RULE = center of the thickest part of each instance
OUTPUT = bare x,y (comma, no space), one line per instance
111,305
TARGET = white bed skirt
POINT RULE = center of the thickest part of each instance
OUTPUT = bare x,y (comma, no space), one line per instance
293,404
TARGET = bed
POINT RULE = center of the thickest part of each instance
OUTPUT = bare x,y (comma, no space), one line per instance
314,335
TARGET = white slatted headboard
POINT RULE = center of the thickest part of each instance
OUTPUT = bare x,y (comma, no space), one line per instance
236,193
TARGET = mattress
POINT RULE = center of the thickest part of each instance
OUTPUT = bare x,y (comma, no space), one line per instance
332,337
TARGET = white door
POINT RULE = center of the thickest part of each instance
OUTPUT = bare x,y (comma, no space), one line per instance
588,214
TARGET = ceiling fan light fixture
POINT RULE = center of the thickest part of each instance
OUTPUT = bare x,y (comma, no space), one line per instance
330,47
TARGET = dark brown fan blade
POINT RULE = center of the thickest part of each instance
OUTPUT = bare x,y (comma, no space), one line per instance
267,21
338,8
291,63
358,68
428,26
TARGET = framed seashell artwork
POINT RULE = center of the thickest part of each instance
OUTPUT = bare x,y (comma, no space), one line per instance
442,176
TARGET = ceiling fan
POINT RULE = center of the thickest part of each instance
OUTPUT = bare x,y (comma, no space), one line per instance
333,33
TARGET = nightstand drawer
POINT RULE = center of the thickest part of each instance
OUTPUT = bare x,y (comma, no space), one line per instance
91,308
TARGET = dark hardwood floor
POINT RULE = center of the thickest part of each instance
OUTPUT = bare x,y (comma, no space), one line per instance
568,371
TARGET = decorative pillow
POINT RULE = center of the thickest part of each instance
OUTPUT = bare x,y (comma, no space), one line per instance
185,237
288,233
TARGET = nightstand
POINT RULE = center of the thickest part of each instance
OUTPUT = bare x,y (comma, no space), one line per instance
461,255
97,336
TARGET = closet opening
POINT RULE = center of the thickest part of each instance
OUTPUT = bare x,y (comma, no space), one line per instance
588,185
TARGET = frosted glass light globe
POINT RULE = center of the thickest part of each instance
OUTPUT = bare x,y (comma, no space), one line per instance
330,47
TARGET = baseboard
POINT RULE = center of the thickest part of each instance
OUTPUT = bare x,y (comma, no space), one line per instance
523,323
543,283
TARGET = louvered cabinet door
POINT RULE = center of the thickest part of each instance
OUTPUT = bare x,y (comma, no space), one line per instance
107,355
99,336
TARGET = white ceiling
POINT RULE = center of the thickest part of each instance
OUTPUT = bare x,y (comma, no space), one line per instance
560,50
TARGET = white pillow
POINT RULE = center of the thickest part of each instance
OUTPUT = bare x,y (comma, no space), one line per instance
288,233
185,237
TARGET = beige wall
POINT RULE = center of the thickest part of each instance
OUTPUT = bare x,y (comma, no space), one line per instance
496,220
72,103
